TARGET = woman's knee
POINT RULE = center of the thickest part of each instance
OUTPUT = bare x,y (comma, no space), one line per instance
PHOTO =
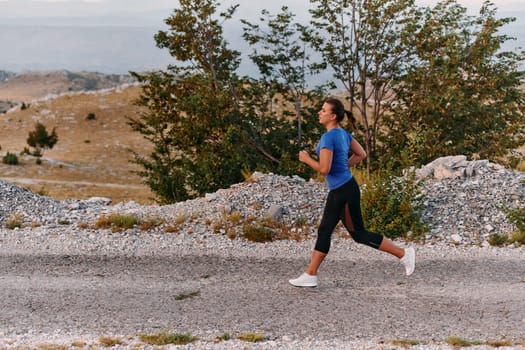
323,243
367,238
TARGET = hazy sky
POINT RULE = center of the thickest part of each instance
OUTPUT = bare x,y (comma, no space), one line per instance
117,35
42,8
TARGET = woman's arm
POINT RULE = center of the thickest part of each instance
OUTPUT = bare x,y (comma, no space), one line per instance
323,165
358,153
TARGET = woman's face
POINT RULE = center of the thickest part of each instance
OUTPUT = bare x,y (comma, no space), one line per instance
325,114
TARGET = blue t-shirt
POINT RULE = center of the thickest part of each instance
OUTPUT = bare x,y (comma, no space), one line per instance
338,141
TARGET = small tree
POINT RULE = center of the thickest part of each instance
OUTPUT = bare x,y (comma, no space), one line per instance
41,139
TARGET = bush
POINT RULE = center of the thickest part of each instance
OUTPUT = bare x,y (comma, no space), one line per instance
91,116
117,222
392,206
497,240
258,233
10,158
517,217
40,138
165,338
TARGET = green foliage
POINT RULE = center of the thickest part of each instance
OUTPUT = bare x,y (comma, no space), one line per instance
363,42
498,240
517,217
279,51
422,83
251,337
200,116
91,116
117,222
165,338
41,139
10,159
258,233
392,206
463,96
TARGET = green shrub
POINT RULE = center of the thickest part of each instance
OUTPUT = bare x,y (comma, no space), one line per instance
517,217
392,206
91,116
497,240
117,222
165,338
251,337
10,159
258,233
38,161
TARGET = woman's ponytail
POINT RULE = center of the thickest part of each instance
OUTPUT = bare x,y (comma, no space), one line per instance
339,110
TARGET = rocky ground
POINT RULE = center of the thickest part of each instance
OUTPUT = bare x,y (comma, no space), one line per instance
66,283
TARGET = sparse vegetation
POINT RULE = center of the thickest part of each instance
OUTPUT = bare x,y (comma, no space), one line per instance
117,222
460,342
258,233
150,222
91,116
50,346
109,341
497,240
392,206
187,295
40,139
223,337
500,343
78,344
165,338
251,337
14,221
404,343
10,159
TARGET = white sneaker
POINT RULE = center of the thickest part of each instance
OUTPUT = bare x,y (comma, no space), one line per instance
409,260
305,280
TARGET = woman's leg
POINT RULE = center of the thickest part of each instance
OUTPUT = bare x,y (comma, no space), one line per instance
333,207
353,221
315,262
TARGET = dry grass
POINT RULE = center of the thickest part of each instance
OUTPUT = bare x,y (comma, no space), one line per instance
91,157
165,338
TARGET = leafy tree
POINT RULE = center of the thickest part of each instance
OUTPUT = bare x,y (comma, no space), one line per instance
41,139
199,114
462,94
362,41
279,52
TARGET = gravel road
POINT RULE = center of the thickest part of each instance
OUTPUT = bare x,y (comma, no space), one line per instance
364,299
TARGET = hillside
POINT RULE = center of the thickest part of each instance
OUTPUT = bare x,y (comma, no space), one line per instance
91,157
28,86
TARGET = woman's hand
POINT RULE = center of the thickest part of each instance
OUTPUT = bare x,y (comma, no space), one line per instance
323,165
304,157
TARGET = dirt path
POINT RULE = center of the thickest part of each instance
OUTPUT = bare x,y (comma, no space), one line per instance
360,297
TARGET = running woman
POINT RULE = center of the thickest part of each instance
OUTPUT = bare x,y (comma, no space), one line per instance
343,201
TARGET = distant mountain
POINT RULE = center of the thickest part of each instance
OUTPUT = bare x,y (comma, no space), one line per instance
5,75
28,86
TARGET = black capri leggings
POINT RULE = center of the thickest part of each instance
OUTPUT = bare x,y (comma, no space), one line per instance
344,203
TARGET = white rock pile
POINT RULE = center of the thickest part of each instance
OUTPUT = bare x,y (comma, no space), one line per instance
465,203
